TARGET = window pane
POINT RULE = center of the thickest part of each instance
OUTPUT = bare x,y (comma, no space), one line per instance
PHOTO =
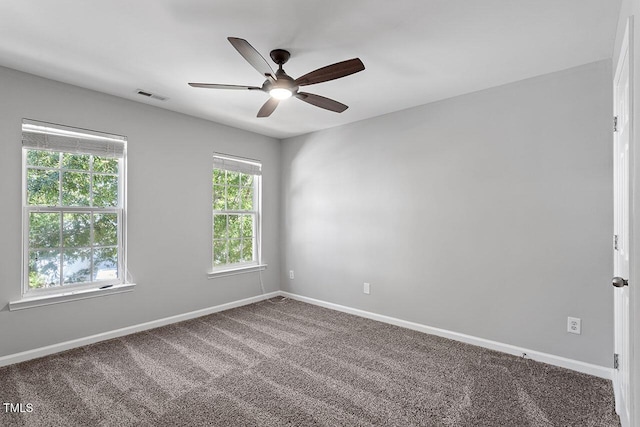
44,268
247,226
233,198
247,250
44,230
75,189
233,178
105,264
43,158
77,265
105,190
234,250
219,252
219,226
105,165
219,176
246,180
43,188
76,230
105,229
75,161
218,198
247,198
234,226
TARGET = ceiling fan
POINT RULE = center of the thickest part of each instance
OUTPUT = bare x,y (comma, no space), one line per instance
280,86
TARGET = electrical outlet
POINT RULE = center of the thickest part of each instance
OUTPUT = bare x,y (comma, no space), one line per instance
574,325
291,276
367,288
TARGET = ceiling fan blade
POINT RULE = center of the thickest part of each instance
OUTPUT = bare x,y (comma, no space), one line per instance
268,107
216,86
331,72
322,102
252,56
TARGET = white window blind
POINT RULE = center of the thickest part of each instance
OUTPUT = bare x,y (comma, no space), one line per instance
50,137
249,167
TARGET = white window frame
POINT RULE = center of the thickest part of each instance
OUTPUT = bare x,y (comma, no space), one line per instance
64,139
249,167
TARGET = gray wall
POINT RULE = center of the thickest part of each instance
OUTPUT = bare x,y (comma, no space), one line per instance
169,185
489,214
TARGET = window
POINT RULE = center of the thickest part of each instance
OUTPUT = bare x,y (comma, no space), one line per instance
236,212
73,207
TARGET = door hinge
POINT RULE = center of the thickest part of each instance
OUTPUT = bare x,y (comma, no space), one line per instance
615,242
616,361
615,123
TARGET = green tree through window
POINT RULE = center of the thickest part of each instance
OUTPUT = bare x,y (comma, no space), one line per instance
235,213
73,209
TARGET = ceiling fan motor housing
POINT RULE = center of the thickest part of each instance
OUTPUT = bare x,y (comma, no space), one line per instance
283,80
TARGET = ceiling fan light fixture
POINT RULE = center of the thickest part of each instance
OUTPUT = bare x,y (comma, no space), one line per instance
280,93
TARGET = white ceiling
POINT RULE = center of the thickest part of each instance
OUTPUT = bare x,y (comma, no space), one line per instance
414,51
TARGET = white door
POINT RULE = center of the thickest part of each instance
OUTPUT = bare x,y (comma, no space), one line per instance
622,112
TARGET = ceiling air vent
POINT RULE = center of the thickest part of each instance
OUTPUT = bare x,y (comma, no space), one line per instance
151,95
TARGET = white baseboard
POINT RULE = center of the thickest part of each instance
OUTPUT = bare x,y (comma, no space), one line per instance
575,365
68,345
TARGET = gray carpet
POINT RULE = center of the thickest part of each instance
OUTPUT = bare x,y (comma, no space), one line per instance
287,363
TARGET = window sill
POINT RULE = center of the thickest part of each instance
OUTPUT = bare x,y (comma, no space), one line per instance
39,301
238,270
